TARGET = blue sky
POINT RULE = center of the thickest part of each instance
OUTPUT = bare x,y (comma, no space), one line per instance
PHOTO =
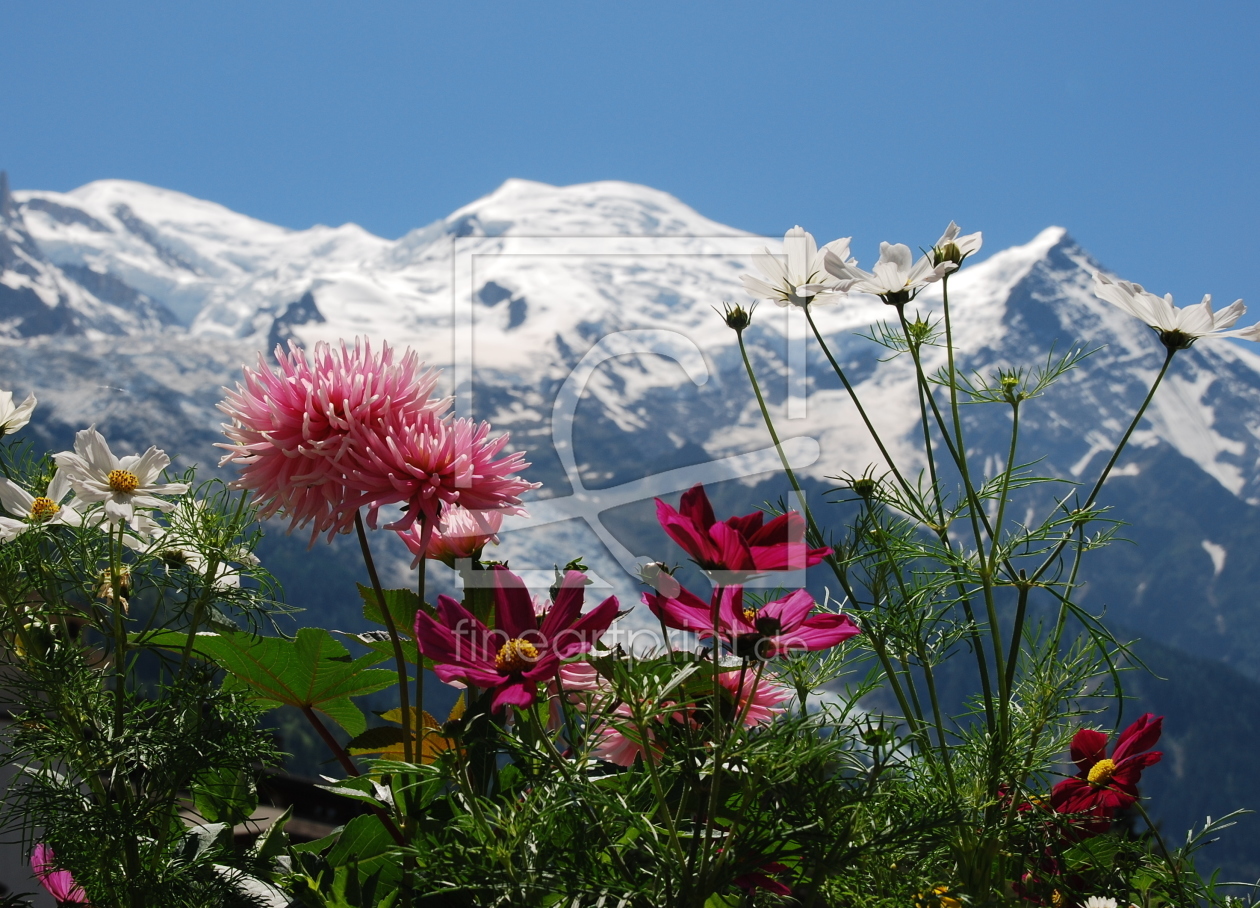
1134,125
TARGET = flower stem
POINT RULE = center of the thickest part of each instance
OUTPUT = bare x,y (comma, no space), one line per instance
348,765
1150,395
400,660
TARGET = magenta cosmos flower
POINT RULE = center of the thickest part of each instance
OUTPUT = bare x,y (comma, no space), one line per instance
765,632
460,534
296,432
1105,784
740,545
520,652
59,883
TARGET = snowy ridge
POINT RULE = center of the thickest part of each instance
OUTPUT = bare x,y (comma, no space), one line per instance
536,275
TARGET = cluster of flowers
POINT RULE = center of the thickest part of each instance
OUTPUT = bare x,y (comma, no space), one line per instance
810,275
93,487
532,639
318,440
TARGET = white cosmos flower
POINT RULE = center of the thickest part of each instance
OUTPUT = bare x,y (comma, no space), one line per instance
800,280
1177,328
48,509
954,248
896,278
1098,901
122,483
13,418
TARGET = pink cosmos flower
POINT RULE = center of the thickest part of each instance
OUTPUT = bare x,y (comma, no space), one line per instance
297,432
58,882
765,632
519,652
428,463
740,545
1106,784
460,534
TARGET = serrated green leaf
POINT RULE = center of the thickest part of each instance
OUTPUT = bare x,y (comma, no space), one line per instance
365,841
311,671
402,605
224,796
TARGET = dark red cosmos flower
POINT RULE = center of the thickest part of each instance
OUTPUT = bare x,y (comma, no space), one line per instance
519,652
1105,784
774,628
741,545
760,879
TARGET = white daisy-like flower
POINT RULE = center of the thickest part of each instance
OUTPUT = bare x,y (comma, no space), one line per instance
1098,901
13,417
48,509
954,248
896,278
801,279
1177,328
122,483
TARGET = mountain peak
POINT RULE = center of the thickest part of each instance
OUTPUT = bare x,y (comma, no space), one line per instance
605,208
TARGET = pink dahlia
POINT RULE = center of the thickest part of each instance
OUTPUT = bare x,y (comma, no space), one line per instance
59,883
521,651
757,698
298,431
430,463
460,534
621,740
739,545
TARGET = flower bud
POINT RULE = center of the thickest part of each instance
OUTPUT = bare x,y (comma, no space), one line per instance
736,317
947,253
658,576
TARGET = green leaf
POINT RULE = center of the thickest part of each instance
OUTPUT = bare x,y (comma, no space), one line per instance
311,671
365,841
378,740
272,843
402,605
224,796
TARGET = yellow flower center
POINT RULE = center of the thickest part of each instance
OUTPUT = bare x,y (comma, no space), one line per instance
750,615
1101,772
516,655
1056,898
123,481
44,508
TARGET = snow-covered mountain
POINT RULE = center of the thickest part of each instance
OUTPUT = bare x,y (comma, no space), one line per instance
581,318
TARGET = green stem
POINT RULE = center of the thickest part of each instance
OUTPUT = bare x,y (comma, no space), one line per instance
1054,554
870,427
400,659
348,765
